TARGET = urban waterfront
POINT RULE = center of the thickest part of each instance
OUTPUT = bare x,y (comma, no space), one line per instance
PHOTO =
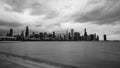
85,54
69,35
59,34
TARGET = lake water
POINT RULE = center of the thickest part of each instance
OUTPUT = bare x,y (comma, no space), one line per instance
76,53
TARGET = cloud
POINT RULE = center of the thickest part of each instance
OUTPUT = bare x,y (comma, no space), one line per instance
17,5
100,12
94,11
9,24
56,15
36,7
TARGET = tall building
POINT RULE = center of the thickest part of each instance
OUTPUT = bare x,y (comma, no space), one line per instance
22,33
105,37
85,35
76,36
67,35
97,37
27,31
72,34
54,36
11,32
85,32
91,37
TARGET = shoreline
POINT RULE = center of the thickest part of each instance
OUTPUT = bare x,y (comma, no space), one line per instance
8,64
53,41
38,62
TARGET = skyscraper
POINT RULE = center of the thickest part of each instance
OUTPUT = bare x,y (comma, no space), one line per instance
85,35
22,33
72,34
76,36
85,32
105,37
97,37
67,35
27,31
54,36
11,32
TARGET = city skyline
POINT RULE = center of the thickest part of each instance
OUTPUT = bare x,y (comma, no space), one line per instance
101,17
26,32
70,35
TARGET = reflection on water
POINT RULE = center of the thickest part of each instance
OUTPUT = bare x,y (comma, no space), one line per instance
70,53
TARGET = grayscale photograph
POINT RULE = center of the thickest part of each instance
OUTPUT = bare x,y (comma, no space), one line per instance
59,33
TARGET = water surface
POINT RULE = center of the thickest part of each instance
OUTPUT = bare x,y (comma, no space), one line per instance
77,53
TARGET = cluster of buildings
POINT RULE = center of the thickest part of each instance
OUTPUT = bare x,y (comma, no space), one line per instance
44,36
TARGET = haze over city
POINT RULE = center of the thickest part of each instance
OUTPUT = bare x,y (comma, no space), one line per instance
98,16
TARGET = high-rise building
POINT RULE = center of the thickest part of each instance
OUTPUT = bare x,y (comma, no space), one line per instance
105,37
27,31
22,33
11,32
67,35
85,32
85,35
91,37
72,34
76,36
54,36
97,37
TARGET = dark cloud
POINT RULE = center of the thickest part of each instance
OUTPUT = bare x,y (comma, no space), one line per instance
107,14
54,25
38,25
9,24
20,5
39,9
34,5
17,5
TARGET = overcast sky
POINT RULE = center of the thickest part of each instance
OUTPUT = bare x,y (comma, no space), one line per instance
98,16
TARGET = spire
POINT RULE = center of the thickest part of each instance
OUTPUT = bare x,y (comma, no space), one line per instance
85,32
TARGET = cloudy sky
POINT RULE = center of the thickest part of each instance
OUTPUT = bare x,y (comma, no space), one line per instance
98,16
